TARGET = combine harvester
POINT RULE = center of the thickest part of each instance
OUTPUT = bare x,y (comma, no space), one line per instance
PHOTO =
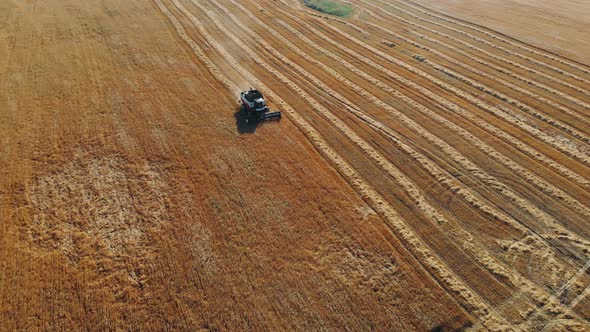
254,106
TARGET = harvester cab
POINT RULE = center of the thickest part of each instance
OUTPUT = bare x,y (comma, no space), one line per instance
254,107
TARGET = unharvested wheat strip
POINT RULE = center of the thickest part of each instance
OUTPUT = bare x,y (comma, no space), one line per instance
546,187
497,36
431,167
464,237
498,111
499,58
468,35
502,70
482,87
454,285
522,171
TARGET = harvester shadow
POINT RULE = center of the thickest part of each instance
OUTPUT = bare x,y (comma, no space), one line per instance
244,126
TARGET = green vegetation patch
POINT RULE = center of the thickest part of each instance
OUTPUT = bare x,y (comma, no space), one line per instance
329,7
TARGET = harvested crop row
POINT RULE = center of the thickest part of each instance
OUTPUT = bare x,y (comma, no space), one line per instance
479,50
563,109
485,259
559,168
490,44
465,238
566,110
536,212
494,93
438,173
498,111
471,300
497,36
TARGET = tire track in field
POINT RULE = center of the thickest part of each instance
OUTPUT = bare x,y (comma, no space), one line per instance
498,111
490,44
556,227
495,57
465,237
494,93
457,289
560,291
498,36
584,294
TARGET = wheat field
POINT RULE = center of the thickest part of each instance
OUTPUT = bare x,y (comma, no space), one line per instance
429,173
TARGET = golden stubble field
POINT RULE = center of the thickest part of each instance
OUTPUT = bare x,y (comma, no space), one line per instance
428,173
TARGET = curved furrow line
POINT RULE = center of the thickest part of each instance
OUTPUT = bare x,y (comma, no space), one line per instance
457,289
498,58
498,36
490,44
539,182
331,18
523,79
519,170
498,111
499,95
453,153
464,237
